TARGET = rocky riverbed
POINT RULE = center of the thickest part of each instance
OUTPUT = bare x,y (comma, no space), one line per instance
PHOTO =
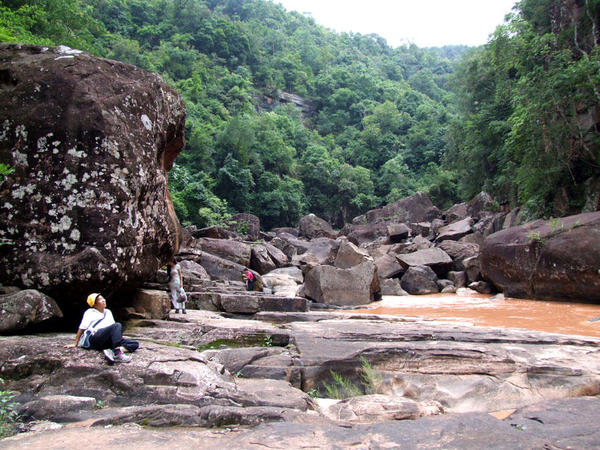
224,381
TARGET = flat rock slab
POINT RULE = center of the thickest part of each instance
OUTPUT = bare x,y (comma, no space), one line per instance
568,423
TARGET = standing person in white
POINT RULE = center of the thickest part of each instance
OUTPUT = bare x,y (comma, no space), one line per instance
178,295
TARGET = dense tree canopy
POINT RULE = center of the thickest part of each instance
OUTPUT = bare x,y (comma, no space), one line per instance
529,119
369,123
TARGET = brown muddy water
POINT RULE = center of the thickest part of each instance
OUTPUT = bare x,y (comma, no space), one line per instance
485,310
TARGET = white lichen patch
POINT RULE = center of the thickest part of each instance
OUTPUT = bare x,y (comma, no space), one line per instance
63,225
5,129
7,205
42,144
20,191
44,279
75,235
146,122
21,132
69,181
111,147
20,159
76,153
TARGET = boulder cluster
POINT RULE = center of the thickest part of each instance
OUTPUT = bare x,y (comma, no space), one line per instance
409,247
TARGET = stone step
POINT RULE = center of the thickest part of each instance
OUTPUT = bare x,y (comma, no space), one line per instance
245,303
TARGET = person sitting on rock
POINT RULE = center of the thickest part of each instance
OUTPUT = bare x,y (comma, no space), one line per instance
98,330
178,295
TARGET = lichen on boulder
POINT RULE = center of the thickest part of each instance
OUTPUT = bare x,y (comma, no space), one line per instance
91,142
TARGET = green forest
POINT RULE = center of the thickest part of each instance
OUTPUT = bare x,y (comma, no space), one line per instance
286,117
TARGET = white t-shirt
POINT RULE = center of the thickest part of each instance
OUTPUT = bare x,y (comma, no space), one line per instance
91,316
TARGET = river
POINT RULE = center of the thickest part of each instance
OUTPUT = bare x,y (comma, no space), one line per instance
487,310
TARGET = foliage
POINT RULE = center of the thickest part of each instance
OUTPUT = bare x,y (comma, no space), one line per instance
375,123
524,132
8,413
5,170
371,379
342,388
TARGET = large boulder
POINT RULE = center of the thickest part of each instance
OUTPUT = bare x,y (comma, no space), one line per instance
419,280
281,283
247,225
261,260
152,304
236,251
360,234
480,205
456,212
358,285
193,273
312,227
554,260
24,308
91,141
279,258
459,251
320,251
349,255
455,230
289,244
434,257
388,266
216,267
416,208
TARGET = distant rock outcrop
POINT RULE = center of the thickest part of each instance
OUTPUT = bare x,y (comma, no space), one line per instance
91,141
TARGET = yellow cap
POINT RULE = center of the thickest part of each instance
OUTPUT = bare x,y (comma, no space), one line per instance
92,299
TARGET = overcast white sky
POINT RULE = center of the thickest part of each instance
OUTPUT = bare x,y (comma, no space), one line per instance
427,23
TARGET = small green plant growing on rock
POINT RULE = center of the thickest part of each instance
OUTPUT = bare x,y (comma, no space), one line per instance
534,235
8,413
371,379
267,341
343,388
5,170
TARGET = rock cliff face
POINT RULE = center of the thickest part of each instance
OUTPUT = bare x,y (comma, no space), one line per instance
91,141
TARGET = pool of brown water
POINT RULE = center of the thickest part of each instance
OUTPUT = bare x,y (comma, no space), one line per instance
486,310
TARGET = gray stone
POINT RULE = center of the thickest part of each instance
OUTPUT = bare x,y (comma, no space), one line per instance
152,304
358,285
349,255
419,280
21,309
434,257
392,286
311,227
455,230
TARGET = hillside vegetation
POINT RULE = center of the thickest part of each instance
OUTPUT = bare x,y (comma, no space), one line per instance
367,124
